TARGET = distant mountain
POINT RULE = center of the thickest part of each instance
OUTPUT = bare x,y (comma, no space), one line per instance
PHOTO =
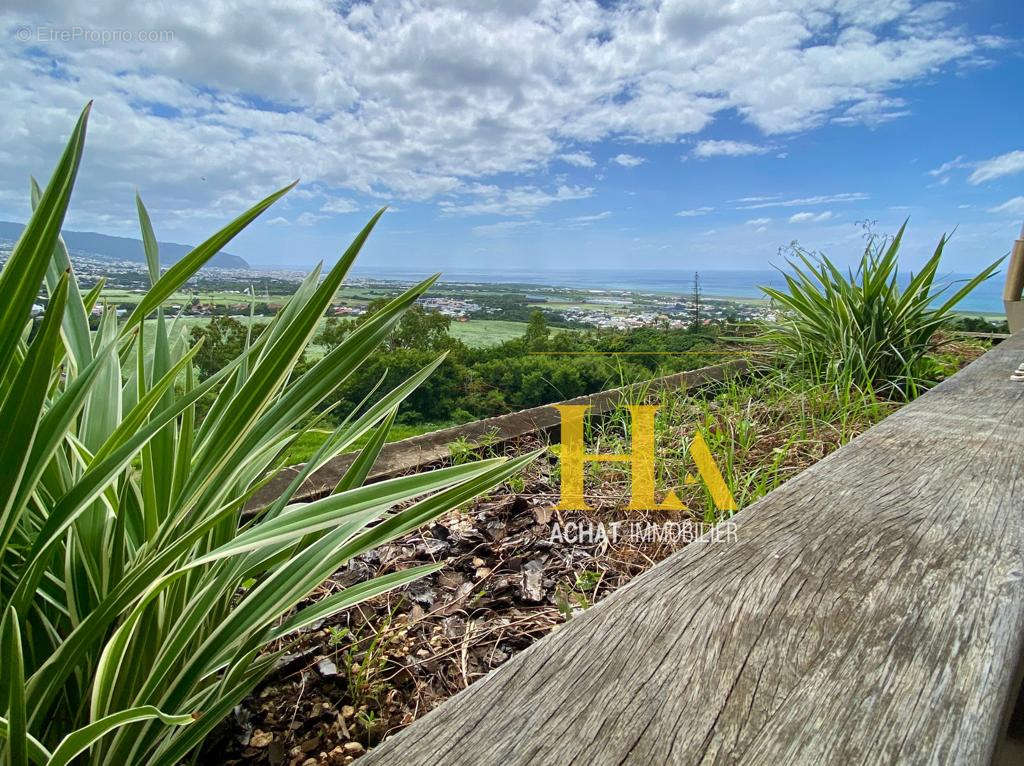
124,248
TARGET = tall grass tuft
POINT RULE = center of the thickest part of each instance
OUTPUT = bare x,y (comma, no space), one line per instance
138,603
862,327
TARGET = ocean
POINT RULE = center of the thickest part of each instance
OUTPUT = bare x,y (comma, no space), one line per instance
986,298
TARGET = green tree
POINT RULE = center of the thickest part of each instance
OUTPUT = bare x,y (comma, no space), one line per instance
418,329
537,332
223,340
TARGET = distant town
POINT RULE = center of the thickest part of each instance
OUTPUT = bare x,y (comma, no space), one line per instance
217,291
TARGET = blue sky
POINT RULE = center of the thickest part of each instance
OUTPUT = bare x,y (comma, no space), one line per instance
531,134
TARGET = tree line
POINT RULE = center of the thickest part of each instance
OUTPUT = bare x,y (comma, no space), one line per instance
538,368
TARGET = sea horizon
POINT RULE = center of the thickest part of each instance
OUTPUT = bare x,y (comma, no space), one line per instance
743,284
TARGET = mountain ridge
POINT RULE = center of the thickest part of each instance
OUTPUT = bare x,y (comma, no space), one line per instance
125,248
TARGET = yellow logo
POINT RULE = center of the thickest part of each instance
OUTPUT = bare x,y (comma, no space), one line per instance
573,456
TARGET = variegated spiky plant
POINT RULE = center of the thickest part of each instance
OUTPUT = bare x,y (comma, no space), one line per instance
863,327
138,602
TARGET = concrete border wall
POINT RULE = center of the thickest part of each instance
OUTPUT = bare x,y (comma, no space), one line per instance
402,456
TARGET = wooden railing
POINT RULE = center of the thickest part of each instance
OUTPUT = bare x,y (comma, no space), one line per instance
1014,286
870,610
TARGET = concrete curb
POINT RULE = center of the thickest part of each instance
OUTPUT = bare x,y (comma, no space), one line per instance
402,456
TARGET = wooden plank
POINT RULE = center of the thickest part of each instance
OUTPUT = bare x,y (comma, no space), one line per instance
984,335
408,454
871,610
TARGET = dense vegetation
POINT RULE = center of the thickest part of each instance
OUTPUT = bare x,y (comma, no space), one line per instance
472,383
516,307
139,603
978,324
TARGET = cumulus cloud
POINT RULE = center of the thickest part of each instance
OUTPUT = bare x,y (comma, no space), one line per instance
309,219
339,205
806,217
579,159
419,100
712,148
628,160
1013,207
759,221
692,212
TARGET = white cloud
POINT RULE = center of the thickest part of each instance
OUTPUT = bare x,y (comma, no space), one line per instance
755,203
591,218
628,160
873,111
945,167
806,217
759,221
519,200
309,219
502,228
579,159
709,148
1013,207
997,167
420,100
339,205
982,170
994,42
766,198
693,212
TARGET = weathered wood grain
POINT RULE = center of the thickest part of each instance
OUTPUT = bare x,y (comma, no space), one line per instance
871,611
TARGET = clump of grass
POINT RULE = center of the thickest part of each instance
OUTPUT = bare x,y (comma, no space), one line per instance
863,327
761,430
764,430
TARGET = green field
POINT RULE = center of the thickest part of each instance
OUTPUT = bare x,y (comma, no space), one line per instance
486,332
474,332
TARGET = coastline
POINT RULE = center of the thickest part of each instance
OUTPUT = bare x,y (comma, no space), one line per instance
739,286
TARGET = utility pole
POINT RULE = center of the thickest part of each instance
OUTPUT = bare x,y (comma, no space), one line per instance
696,300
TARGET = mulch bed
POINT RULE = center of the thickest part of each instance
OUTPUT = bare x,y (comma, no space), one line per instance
357,677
